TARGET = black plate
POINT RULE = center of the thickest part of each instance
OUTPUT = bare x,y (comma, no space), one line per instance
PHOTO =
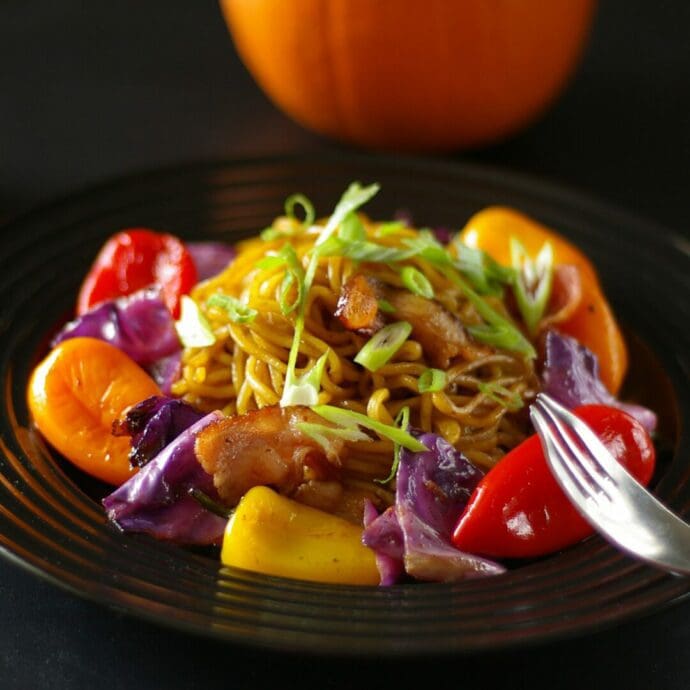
51,524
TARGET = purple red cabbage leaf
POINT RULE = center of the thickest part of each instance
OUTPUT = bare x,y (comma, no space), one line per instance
571,376
432,489
210,258
141,326
156,499
153,424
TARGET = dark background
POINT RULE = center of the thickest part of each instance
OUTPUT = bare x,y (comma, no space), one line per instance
89,90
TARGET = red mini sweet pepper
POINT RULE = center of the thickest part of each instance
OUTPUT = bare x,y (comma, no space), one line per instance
134,259
519,511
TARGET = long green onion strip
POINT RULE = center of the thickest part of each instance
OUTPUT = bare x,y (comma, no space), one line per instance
304,390
501,395
193,329
533,282
324,435
432,381
484,274
237,311
363,250
402,421
352,420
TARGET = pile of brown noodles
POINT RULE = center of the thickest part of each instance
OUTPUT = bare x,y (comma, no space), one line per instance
245,369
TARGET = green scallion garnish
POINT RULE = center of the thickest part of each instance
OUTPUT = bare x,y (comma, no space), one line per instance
385,306
350,420
300,200
294,275
533,282
383,345
501,395
432,381
323,434
416,282
352,229
402,420
237,311
485,275
193,329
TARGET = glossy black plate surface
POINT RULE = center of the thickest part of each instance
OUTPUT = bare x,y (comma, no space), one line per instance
51,524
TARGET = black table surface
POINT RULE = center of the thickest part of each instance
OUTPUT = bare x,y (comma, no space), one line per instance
100,89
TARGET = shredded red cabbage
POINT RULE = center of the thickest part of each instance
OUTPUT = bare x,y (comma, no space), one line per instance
156,500
210,258
432,490
571,376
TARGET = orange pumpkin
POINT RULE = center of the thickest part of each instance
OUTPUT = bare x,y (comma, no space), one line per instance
404,74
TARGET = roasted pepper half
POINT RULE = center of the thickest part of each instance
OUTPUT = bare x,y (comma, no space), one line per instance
271,534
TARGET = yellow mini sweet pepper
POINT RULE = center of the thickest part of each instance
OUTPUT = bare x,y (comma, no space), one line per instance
271,534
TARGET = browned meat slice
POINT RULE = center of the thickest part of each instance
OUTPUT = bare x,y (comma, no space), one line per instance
358,305
438,331
264,447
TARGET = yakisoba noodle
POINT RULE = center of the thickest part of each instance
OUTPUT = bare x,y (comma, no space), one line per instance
245,369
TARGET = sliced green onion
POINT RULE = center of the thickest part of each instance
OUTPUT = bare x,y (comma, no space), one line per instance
432,381
426,246
498,330
237,311
350,420
269,262
298,389
354,197
193,328
323,434
533,283
393,227
363,251
352,229
304,389
307,207
283,298
291,202
501,395
386,306
504,336
416,282
271,233
294,275
485,275
402,420
383,345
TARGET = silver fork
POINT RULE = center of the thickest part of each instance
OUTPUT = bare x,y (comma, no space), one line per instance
612,501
